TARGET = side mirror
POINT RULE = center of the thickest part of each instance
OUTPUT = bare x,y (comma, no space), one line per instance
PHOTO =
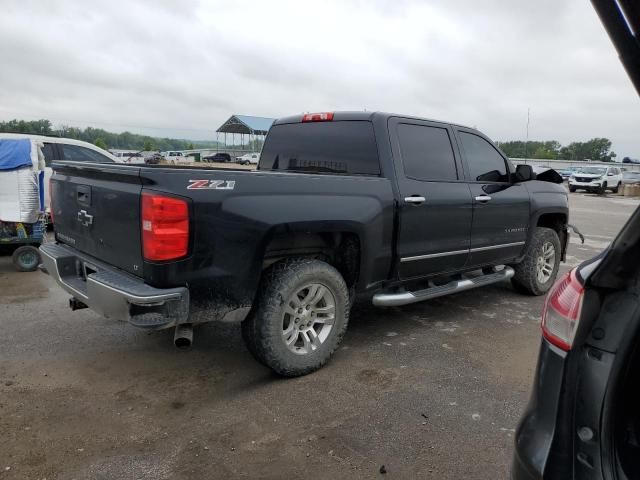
610,174
524,173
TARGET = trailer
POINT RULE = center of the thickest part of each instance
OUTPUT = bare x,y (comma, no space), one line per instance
23,222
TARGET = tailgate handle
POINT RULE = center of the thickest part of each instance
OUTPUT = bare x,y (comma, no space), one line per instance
84,195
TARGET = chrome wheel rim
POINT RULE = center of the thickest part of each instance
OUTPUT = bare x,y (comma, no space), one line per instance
546,262
308,318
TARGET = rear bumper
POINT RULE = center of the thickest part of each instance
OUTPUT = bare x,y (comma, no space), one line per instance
539,426
113,293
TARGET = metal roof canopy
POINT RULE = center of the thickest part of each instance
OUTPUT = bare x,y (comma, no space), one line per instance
246,124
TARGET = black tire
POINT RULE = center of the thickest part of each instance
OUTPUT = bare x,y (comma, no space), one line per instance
526,279
263,329
26,258
572,189
602,189
616,188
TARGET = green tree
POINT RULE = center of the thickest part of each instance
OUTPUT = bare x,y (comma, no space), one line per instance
148,145
100,143
190,146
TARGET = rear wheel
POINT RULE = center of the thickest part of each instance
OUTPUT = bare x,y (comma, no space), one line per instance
537,272
301,317
26,259
616,188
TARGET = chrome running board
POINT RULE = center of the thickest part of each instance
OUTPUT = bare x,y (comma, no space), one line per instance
404,298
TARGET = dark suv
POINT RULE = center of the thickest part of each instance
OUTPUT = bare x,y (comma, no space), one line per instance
583,419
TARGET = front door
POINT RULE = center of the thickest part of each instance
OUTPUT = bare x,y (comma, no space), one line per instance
435,201
500,207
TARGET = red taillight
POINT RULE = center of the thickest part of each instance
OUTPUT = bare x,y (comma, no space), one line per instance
562,310
165,227
317,117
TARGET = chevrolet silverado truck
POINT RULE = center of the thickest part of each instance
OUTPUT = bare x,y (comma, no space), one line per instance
381,206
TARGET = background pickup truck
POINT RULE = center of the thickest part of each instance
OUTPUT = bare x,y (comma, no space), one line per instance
396,208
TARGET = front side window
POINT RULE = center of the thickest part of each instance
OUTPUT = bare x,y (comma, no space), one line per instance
77,153
426,153
484,162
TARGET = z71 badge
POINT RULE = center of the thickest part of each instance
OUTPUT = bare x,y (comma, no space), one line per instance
211,185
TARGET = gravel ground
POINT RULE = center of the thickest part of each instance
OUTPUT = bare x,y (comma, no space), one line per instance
431,390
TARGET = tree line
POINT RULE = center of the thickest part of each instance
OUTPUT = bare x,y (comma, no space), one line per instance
596,149
103,138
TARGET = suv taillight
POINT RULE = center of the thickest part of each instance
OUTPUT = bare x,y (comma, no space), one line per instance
165,227
318,117
562,310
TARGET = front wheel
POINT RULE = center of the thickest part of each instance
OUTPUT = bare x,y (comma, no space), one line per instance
572,189
537,271
602,189
301,316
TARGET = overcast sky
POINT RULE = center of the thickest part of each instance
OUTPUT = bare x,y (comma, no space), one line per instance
179,68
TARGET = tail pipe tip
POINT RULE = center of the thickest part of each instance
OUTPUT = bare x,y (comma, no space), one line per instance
183,337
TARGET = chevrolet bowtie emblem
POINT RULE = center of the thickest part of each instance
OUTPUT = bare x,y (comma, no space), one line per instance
84,218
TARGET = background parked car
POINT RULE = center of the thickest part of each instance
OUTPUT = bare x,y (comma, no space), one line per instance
175,157
217,157
567,172
248,158
130,157
57,148
597,179
153,159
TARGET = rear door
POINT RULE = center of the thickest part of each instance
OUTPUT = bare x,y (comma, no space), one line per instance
435,201
500,206
96,209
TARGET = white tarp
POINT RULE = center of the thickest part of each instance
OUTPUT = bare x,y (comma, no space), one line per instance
19,190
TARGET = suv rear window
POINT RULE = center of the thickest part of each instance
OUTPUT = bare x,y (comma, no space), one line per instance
346,147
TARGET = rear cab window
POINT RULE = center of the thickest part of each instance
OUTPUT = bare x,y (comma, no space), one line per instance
346,147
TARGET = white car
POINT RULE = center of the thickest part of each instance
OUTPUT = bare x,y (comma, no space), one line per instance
175,157
248,158
57,148
597,179
130,157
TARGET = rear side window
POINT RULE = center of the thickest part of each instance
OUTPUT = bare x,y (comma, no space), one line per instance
426,152
484,161
346,147
49,152
81,154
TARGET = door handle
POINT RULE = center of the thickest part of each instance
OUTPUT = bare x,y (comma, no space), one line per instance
483,198
415,199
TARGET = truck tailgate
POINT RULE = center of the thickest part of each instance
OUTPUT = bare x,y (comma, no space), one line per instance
96,209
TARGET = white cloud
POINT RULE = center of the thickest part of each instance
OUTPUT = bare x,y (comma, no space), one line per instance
180,68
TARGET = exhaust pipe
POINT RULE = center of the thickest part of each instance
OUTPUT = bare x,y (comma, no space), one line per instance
183,337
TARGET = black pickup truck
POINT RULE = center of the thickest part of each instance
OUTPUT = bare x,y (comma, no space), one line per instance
396,208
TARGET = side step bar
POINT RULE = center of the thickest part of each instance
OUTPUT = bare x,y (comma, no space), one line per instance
404,298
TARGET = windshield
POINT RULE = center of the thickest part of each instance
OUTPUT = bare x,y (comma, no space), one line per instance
593,170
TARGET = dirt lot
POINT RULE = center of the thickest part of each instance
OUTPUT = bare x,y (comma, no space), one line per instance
432,390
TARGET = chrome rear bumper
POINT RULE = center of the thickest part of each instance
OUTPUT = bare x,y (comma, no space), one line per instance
112,292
